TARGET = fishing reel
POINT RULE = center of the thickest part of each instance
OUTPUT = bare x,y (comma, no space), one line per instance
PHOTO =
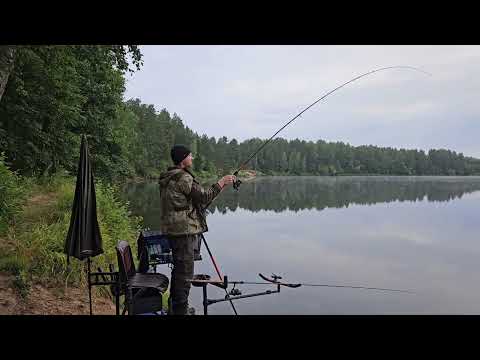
275,277
235,292
236,183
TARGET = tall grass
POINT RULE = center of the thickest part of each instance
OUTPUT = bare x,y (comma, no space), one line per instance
40,233
13,190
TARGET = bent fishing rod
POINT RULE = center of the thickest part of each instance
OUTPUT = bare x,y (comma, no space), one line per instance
237,183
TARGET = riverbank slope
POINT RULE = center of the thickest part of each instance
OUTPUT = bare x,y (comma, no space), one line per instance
34,275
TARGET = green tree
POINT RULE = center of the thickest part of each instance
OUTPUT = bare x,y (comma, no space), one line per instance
55,93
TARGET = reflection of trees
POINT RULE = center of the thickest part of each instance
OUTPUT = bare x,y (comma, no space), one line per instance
279,194
144,200
298,193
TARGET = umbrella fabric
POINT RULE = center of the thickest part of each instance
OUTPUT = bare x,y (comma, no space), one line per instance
84,239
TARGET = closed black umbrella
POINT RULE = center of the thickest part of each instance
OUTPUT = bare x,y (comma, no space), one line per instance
84,240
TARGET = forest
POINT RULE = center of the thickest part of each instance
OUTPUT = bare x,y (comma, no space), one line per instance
50,95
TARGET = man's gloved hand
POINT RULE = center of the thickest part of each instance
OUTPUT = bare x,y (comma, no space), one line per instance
226,180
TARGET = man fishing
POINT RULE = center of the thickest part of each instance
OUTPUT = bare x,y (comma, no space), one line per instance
182,219
183,202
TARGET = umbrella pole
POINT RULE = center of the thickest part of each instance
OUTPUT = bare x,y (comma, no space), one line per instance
89,287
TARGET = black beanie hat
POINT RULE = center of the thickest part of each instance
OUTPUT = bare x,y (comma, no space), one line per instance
178,153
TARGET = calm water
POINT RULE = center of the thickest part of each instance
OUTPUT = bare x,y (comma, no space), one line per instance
414,233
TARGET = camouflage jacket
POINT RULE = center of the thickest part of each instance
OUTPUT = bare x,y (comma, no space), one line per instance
181,201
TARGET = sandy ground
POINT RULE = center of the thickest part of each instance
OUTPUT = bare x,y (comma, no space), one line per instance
46,300
49,301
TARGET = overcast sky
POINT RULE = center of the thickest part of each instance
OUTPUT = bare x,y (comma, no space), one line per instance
251,91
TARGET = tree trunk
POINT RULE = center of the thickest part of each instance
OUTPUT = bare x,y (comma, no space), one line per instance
7,56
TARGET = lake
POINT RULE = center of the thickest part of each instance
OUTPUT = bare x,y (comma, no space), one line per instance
413,233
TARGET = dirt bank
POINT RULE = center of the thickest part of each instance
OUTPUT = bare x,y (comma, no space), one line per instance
45,300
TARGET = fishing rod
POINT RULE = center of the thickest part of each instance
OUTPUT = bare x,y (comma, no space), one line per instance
236,185
237,182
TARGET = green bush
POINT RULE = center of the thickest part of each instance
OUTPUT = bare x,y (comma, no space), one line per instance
53,182
22,283
16,266
12,194
12,264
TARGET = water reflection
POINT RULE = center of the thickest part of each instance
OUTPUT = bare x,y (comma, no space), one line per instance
416,233
300,193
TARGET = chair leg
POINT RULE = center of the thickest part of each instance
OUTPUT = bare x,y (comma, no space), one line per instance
130,301
161,302
117,302
124,309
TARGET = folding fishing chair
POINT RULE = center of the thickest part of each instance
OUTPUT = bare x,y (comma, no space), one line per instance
106,278
143,291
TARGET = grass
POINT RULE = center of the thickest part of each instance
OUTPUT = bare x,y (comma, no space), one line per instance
16,266
38,235
13,191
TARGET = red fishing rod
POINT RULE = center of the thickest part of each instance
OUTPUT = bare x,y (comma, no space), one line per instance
218,272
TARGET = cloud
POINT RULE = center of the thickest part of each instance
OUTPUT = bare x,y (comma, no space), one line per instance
246,91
